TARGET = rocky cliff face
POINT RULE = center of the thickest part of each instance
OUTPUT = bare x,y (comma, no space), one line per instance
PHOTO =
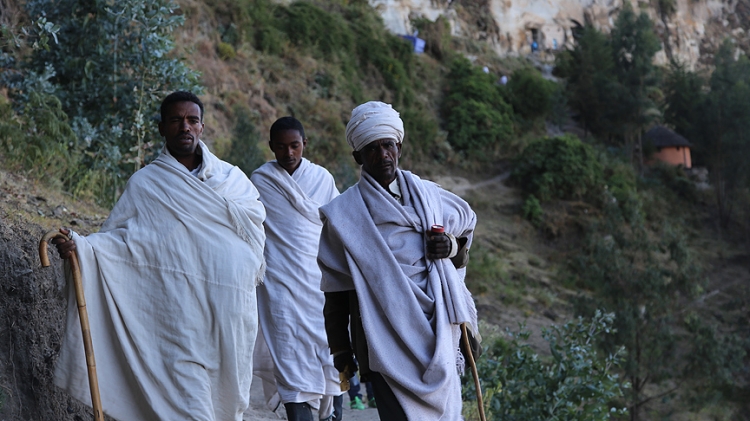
690,34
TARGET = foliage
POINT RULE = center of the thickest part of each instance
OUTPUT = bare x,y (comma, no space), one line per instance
715,117
530,93
726,127
37,140
576,383
683,97
437,35
588,70
646,278
110,71
558,168
532,210
485,270
226,51
634,44
244,151
475,114
352,39
612,82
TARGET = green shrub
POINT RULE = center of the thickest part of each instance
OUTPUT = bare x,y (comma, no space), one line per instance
577,383
226,51
486,271
558,168
244,151
131,43
38,139
530,93
474,112
532,210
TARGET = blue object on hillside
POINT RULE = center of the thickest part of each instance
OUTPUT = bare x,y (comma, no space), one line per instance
417,42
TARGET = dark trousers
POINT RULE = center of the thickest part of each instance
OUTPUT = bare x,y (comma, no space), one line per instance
303,411
388,407
299,412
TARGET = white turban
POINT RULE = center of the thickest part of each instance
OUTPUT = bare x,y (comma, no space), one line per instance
372,121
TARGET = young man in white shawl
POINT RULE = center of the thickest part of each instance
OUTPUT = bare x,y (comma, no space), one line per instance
290,303
400,286
170,284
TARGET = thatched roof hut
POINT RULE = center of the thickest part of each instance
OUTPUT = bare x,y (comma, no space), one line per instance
670,146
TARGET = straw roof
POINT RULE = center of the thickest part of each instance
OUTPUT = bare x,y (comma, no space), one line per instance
662,137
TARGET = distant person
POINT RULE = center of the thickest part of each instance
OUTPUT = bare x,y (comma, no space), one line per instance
290,302
534,47
554,44
170,285
398,284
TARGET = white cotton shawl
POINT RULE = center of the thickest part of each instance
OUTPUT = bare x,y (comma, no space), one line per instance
411,319
290,303
170,289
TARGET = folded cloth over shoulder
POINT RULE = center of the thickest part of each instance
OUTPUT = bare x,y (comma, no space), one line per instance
170,288
410,308
290,302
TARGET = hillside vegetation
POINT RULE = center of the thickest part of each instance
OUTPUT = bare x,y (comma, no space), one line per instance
644,270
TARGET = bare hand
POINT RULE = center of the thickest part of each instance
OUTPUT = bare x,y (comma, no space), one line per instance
438,246
65,247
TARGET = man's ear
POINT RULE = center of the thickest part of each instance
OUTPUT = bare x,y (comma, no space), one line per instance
357,157
270,145
398,145
161,128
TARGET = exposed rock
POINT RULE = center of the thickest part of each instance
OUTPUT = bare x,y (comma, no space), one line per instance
511,26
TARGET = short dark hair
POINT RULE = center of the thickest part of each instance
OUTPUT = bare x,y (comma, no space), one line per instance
286,123
179,96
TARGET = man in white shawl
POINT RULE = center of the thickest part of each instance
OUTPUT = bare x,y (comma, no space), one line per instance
290,303
397,287
170,284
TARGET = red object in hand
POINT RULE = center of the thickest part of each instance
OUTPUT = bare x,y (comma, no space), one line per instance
437,229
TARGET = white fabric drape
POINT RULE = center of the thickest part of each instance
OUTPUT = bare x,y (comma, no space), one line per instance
410,308
290,302
170,287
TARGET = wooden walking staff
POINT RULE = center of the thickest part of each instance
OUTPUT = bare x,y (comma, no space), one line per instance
474,372
96,401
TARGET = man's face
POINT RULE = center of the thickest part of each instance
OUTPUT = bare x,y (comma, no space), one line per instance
380,160
288,146
181,128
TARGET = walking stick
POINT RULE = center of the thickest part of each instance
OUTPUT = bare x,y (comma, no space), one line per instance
83,315
474,372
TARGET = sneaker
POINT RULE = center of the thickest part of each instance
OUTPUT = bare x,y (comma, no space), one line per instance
371,403
356,403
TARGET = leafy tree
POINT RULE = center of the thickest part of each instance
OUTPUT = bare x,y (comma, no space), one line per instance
726,125
577,383
683,98
589,73
558,168
474,111
111,69
244,151
648,278
530,93
634,44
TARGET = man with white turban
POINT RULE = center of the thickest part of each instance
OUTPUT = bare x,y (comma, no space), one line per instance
393,283
290,303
